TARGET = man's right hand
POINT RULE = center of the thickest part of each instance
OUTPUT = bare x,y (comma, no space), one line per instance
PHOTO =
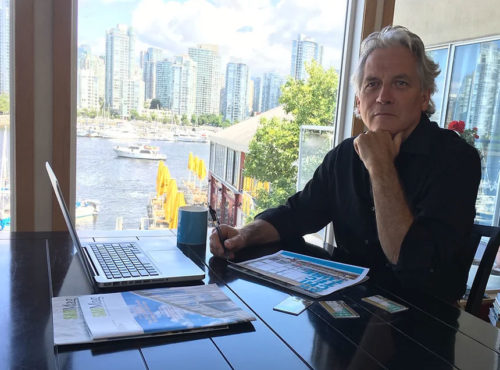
233,241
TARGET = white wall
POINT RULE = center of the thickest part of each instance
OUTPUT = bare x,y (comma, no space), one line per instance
442,21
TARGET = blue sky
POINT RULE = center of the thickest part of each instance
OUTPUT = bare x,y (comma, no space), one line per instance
256,32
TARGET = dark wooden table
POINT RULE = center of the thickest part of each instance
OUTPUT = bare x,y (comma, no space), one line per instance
430,335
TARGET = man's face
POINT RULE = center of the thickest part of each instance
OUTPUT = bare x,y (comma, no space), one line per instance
391,97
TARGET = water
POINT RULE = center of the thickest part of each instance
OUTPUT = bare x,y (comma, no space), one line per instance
122,186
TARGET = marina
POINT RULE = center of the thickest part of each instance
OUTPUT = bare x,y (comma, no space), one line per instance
125,187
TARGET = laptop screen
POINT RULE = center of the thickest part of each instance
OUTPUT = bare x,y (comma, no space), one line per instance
62,204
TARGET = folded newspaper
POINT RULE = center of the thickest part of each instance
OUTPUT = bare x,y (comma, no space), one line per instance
140,313
311,276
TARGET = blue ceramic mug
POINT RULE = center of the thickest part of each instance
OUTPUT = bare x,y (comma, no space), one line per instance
192,225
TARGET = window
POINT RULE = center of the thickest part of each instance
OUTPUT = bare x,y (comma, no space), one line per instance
5,191
473,96
154,74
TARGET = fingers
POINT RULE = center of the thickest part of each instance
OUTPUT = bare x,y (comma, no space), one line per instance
224,245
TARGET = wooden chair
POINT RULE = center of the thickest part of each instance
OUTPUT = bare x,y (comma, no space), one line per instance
477,290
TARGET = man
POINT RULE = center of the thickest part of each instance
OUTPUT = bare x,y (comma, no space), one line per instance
401,196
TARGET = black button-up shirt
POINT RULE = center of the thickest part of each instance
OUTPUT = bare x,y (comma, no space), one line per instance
439,173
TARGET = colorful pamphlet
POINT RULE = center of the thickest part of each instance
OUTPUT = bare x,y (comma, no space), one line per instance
312,276
140,313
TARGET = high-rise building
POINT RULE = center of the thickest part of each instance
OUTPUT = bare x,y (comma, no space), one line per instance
163,89
123,83
150,58
176,84
183,86
235,103
257,94
271,91
4,45
208,78
90,85
304,50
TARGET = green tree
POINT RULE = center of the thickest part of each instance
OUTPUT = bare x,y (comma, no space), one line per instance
312,102
272,155
184,120
155,104
4,103
134,114
274,150
194,119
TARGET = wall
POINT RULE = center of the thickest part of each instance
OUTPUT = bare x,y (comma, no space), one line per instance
442,21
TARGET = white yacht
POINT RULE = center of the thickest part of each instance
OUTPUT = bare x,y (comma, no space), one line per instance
140,151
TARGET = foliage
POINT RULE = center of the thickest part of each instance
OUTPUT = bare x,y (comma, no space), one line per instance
134,114
313,101
272,155
155,104
90,113
274,150
184,120
4,103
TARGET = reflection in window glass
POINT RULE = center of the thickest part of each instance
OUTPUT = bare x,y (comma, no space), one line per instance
440,56
474,98
5,191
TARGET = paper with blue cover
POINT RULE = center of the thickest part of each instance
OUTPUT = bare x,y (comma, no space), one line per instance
162,311
308,275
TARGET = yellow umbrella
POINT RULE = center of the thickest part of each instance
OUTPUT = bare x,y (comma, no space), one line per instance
179,202
196,165
171,193
159,177
190,161
203,170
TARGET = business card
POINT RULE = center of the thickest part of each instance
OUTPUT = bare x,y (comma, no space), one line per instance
339,309
293,305
385,304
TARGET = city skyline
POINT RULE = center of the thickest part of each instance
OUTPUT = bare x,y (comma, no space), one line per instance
259,33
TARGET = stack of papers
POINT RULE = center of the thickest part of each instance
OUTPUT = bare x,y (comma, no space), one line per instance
311,276
163,311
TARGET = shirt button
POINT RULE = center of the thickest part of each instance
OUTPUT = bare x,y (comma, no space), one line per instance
366,241
373,208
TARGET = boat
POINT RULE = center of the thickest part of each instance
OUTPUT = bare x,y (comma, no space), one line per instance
86,208
140,151
191,138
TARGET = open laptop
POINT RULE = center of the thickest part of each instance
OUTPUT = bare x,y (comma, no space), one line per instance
112,264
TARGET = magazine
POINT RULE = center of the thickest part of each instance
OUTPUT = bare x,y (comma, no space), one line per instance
162,311
311,276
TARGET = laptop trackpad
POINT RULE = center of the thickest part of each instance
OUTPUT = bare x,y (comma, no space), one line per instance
166,260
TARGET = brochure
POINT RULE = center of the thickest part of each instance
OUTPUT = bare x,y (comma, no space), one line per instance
162,311
311,276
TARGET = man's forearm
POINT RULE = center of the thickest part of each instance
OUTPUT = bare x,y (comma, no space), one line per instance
259,232
393,215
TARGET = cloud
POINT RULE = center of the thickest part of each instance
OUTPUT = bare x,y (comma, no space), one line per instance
255,32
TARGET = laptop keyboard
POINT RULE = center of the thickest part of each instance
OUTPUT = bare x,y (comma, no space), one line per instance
123,260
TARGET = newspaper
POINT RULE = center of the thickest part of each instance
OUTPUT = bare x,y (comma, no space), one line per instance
311,276
165,311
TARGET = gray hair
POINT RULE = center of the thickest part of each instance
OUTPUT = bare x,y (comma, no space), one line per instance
399,36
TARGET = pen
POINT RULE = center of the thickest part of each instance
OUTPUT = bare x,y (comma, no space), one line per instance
213,214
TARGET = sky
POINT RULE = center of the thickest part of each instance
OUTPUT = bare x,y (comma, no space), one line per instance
256,32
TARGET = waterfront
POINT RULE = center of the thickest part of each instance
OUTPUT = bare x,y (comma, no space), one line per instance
122,186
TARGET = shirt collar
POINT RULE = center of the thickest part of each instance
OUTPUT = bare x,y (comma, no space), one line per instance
418,141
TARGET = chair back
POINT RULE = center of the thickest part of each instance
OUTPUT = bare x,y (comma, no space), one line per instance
478,288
